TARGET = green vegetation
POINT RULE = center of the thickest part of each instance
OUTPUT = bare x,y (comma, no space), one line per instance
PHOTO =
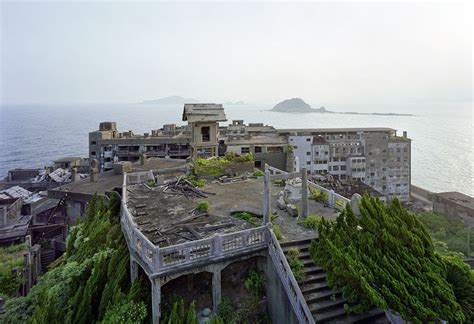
195,181
90,282
290,148
319,195
277,231
11,257
449,235
385,258
203,206
258,173
297,267
255,282
248,217
339,202
176,313
151,183
311,222
220,166
280,183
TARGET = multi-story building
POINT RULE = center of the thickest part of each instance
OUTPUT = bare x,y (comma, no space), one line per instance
107,145
376,156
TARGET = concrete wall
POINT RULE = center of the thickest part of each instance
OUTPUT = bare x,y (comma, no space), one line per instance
278,304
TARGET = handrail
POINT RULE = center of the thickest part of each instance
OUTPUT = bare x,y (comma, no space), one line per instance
289,282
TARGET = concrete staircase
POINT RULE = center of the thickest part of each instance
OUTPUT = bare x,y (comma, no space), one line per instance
47,257
326,305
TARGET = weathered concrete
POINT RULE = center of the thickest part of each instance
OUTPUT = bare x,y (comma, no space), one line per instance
278,305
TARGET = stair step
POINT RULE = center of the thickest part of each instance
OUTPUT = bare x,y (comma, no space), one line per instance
312,269
307,288
332,316
321,295
371,316
326,305
289,244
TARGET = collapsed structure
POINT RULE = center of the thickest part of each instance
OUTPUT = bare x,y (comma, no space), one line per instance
375,156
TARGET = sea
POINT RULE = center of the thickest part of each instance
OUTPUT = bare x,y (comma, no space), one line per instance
442,135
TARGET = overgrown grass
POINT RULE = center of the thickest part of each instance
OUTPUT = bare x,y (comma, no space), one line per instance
258,173
203,206
248,217
11,257
297,267
277,231
311,222
219,166
449,234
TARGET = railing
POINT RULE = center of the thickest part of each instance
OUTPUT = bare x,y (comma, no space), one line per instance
162,260
293,291
217,247
334,200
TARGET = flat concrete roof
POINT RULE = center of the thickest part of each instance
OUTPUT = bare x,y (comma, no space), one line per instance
335,130
203,112
108,181
166,217
68,159
458,198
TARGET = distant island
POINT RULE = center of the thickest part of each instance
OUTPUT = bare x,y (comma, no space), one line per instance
171,100
234,103
298,105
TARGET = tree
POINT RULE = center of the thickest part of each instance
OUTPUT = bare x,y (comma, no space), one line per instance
385,258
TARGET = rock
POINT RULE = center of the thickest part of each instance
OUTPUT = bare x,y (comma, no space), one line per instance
206,312
292,210
281,203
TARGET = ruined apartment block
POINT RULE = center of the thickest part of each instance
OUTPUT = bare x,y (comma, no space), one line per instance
375,156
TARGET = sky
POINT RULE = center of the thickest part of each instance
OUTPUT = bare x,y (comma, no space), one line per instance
359,53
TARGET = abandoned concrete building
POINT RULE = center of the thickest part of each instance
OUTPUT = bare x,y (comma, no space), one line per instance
454,205
179,248
375,156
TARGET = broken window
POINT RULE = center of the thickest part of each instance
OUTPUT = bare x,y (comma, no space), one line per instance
206,134
244,150
258,149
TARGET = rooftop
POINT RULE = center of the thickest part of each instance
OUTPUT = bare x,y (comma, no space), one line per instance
208,112
68,159
169,218
335,130
458,198
110,180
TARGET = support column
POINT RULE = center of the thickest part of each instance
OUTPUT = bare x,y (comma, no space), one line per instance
266,197
156,300
133,269
216,289
304,193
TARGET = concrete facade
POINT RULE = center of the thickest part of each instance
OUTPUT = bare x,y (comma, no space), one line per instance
376,156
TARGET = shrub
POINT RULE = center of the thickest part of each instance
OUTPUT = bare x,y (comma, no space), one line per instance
258,173
311,222
230,156
385,258
196,182
323,197
339,202
203,206
280,183
297,267
151,183
248,217
290,148
255,282
315,193
277,231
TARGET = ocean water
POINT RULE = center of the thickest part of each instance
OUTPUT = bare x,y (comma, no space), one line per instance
442,147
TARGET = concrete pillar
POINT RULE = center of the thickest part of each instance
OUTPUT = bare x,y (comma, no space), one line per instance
331,198
156,300
143,159
216,289
304,193
133,269
266,198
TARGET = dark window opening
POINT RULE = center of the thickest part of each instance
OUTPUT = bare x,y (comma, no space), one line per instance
206,134
258,149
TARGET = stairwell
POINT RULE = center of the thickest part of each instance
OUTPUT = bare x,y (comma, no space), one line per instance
326,305
47,257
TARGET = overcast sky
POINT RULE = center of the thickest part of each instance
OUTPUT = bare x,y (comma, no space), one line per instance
260,53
